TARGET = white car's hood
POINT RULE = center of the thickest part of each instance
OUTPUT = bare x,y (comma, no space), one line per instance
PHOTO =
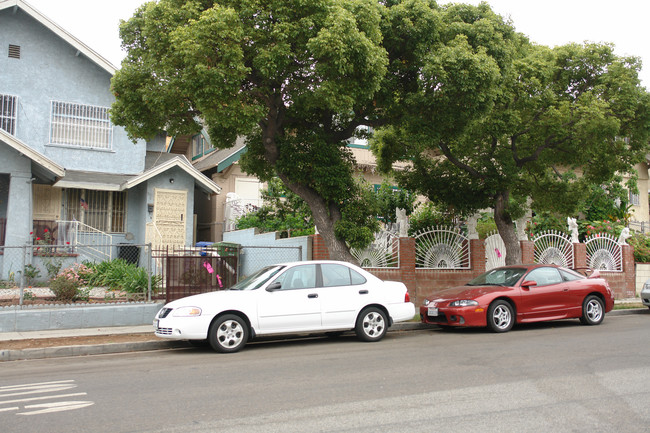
204,300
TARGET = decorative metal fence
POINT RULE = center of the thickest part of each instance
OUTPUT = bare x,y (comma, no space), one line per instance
495,251
442,248
604,253
554,247
186,271
382,253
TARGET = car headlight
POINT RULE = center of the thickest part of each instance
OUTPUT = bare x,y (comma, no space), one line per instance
426,302
463,303
187,312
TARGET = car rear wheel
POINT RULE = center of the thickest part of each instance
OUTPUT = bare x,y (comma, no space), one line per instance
593,311
371,324
500,316
228,334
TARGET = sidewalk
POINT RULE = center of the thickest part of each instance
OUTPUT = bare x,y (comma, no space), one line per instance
142,338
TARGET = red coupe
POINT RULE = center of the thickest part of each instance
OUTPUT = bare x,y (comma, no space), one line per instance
504,296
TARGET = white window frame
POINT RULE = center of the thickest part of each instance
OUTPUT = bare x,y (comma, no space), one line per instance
634,198
80,125
11,102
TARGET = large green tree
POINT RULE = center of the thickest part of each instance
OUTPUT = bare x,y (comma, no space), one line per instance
296,77
487,119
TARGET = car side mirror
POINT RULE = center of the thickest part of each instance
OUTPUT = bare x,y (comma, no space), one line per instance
274,286
528,283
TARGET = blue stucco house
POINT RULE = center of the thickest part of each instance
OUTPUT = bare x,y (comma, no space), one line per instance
64,167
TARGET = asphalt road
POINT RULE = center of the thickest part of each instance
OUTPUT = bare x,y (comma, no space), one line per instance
560,377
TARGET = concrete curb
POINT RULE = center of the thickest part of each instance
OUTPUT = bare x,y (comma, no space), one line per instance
102,349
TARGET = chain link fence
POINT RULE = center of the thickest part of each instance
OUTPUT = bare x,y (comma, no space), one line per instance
32,270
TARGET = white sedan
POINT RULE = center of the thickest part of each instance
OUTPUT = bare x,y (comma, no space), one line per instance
289,298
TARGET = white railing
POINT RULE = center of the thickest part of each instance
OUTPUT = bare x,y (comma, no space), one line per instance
98,243
442,248
554,247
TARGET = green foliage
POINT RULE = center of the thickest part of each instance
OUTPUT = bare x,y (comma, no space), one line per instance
485,225
608,202
283,211
120,275
296,78
544,222
612,228
389,198
31,273
641,244
488,119
429,215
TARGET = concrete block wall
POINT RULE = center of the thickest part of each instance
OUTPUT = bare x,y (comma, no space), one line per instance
642,274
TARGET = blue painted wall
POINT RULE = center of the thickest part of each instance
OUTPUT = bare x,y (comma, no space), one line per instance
50,69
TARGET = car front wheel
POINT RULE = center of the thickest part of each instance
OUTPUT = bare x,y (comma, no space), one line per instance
500,316
371,324
228,334
593,311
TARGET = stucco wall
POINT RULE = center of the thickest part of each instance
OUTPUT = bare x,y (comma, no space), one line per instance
50,69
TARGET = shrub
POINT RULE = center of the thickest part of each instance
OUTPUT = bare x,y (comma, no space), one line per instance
120,275
67,284
641,245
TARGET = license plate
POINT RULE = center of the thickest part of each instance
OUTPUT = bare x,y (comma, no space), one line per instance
433,311
155,324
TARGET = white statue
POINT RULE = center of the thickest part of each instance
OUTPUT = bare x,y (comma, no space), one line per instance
625,233
402,222
573,228
471,226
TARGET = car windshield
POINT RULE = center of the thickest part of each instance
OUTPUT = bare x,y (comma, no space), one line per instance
498,277
257,279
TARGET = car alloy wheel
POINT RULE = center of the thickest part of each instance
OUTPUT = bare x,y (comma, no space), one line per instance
371,324
500,316
593,311
228,334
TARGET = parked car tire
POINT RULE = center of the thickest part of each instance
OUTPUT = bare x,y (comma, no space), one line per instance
371,325
228,334
500,316
593,311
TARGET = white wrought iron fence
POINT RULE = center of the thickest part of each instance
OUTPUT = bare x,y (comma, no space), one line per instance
604,253
442,248
382,253
553,247
495,251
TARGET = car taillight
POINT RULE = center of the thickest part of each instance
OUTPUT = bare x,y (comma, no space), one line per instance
407,297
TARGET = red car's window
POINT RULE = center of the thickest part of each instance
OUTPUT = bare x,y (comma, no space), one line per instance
570,275
544,276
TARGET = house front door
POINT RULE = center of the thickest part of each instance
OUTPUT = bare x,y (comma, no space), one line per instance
169,218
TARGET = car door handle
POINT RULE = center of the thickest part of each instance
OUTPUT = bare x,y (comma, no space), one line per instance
312,295
363,292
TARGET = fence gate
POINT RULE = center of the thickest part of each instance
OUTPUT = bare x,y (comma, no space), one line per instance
442,248
190,271
495,251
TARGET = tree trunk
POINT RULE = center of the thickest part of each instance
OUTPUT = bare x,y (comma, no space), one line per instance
325,218
506,228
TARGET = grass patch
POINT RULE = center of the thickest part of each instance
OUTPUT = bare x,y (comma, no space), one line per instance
629,306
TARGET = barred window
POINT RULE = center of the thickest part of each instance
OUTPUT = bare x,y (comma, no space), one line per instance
634,198
80,125
101,210
8,109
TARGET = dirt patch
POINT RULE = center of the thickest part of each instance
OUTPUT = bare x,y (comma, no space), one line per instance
39,343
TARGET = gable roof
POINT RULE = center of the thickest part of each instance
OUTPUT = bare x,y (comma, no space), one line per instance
42,166
60,32
221,159
155,163
159,162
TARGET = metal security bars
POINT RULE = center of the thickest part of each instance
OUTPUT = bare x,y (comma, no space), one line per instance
8,109
80,125
102,210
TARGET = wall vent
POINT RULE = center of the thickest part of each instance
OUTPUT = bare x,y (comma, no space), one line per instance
14,51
